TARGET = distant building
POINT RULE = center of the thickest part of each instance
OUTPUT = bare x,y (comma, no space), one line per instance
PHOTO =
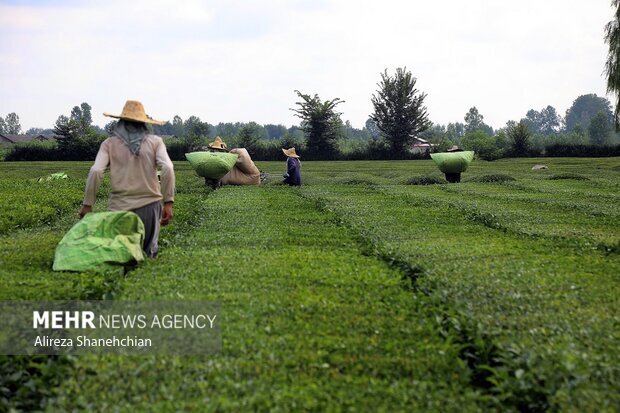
10,139
421,146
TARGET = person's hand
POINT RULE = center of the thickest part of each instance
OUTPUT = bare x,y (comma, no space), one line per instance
85,210
166,215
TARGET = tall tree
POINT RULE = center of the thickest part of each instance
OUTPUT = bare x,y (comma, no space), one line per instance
320,122
399,111
584,108
612,66
372,128
599,129
12,124
474,121
550,121
2,125
520,139
248,137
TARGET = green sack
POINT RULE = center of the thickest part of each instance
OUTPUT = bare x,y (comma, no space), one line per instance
212,165
101,241
52,177
453,162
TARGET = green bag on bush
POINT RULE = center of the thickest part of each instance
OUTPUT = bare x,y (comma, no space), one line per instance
53,177
101,241
453,162
212,165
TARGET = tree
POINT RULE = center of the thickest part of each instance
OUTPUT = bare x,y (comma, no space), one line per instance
475,121
372,128
599,129
110,126
177,126
584,108
520,139
550,121
275,131
612,66
248,137
399,111
194,126
2,125
484,146
12,125
320,122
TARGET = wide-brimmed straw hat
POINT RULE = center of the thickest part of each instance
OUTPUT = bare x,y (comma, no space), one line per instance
134,111
290,153
454,149
218,143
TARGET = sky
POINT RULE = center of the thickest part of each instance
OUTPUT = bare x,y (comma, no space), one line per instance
242,60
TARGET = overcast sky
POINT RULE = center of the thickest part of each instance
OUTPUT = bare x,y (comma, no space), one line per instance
241,60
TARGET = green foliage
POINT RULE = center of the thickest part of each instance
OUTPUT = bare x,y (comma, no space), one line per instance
546,122
519,136
355,292
568,175
248,137
399,110
11,124
584,109
599,129
426,180
492,178
474,121
612,65
484,146
321,124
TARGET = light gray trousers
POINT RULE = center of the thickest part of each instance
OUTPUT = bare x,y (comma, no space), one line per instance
151,216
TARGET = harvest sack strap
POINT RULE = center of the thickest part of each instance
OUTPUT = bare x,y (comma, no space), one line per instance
101,241
211,165
244,172
453,162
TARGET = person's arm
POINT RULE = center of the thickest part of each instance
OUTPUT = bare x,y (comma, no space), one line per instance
167,181
95,175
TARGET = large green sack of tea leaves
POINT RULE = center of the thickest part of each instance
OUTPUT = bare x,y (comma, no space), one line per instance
453,162
212,165
101,241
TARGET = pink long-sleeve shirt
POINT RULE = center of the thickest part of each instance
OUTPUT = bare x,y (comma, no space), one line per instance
133,179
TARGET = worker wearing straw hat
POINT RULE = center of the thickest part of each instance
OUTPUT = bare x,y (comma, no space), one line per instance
133,155
293,165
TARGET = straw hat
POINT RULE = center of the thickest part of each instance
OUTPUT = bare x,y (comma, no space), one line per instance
290,153
454,149
134,111
217,143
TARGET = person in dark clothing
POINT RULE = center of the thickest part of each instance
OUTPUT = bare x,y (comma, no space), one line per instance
454,177
293,165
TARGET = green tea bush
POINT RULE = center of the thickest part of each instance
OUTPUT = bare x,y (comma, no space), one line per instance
573,176
426,180
493,178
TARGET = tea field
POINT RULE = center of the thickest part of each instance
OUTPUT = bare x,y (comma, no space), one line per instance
363,290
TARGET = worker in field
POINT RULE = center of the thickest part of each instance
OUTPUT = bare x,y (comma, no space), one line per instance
133,154
454,177
218,145
293,166
244,172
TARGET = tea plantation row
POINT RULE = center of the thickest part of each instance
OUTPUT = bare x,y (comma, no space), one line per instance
355,292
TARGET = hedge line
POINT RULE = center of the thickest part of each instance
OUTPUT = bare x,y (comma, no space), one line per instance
271,151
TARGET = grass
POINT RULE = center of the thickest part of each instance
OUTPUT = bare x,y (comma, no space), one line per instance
355,292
